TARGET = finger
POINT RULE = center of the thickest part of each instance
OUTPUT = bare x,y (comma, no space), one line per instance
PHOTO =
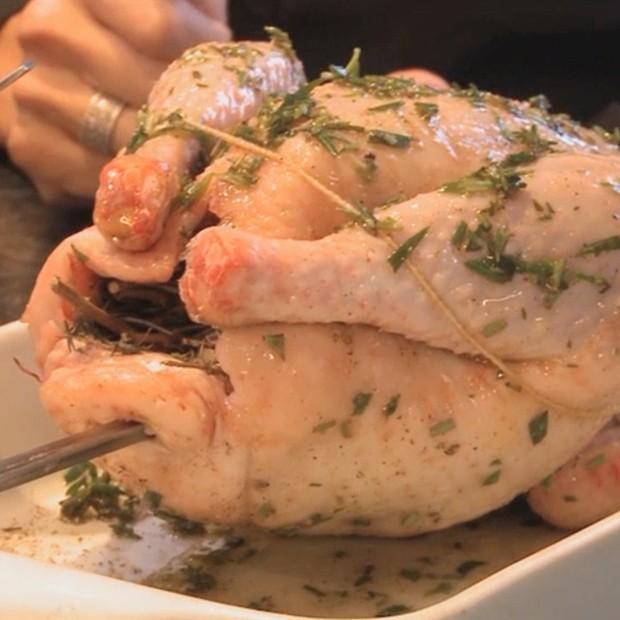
218,9
422,76
34,144
70,37
61,98
160,28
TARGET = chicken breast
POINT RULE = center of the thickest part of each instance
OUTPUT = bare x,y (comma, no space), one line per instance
372,142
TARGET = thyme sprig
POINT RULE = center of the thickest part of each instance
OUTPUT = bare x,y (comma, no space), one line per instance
92,494
131,318
502,178
151,125
282,41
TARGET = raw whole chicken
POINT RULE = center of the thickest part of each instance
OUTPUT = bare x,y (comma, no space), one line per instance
397,311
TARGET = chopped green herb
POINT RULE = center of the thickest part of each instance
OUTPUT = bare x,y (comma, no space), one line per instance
492,478
264,603
242,172
365,576
124,530
546,482
79,254
443,587
276,343
494,327
608,244
192,191
613,185
395,140
345,430
197,579
412,574
546,211
466,567
279,118
401,254
392,405
460,234
360,402
501,177
442,427
327,130
569,498
364,217
282,41
385,86
390,105
532,140
352,69
538,427
92,494
426,110
315,519
324,426
177,523
265,510
595,461
393,610
313,590
409,519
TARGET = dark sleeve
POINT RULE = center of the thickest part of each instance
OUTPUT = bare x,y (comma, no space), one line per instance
8,7
566,50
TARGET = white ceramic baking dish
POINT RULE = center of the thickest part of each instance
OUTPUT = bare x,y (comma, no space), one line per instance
57,571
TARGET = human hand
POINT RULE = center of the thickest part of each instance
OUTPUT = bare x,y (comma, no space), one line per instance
84,47
422,76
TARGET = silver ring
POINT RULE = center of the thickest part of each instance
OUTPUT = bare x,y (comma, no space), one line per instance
99,121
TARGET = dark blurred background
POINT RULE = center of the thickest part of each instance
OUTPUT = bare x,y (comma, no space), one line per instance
567,49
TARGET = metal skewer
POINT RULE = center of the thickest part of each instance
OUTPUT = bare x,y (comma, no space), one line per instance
63,453
15,74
